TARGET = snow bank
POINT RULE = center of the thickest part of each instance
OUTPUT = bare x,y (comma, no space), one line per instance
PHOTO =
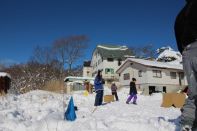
43,111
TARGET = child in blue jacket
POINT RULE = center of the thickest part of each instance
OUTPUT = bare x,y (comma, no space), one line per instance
98,85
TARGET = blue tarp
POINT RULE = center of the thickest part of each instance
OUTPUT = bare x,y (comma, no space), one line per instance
70,112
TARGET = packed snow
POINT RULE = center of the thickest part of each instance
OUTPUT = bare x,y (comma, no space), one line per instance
44,111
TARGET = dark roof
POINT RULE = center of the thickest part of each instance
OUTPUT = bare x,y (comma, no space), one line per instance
113,51
86,63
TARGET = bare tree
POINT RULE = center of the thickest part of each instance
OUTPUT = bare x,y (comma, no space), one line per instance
43,55
31,76
2,66
70,49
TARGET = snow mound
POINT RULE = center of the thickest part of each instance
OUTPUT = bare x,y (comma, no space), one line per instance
44,111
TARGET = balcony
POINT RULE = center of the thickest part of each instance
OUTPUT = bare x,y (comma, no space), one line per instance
110,76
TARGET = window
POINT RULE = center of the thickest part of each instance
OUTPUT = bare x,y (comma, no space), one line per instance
157,73
109,70
140,73
110,59
173,75
127,76
181,75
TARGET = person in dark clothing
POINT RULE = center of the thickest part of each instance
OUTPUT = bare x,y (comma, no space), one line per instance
186,37
132,92
98,84
114,91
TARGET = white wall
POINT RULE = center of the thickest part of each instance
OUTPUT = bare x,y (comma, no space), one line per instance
103,65
133,71
165,79
94,63
113,65
147,78
86,70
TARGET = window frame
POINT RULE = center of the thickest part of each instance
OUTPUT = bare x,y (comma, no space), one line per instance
140,73
126,76
157,73
173,75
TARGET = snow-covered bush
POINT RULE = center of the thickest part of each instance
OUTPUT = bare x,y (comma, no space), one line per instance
31,76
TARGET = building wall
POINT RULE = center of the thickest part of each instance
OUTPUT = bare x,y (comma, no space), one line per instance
147,78
98,63
133,71
165,77
87,71
112,66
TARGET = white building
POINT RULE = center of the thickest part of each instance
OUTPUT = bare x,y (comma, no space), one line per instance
152,76
108,59
87,69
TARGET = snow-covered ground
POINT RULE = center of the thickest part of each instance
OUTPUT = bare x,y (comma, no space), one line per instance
43,111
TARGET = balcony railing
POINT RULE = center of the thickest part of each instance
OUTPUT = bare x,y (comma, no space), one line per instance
111,76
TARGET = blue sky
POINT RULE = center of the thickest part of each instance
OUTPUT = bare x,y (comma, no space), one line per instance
27,23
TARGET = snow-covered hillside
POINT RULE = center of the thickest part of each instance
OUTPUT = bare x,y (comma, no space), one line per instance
43,111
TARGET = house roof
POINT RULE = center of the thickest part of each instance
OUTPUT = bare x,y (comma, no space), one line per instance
154,64
113,51
75,78
3,74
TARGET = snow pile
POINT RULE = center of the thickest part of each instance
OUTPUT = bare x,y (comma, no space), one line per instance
3,74
43,111
167,54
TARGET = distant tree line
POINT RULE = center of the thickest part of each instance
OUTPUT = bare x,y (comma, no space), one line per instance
145,51
48,63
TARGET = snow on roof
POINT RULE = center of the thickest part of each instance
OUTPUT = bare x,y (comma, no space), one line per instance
78,78
171,53
156,63
3,74
113,48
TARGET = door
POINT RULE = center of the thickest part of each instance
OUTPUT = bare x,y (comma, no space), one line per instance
151,89
181,78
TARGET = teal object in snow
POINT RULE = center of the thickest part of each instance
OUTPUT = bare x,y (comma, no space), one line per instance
70,112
